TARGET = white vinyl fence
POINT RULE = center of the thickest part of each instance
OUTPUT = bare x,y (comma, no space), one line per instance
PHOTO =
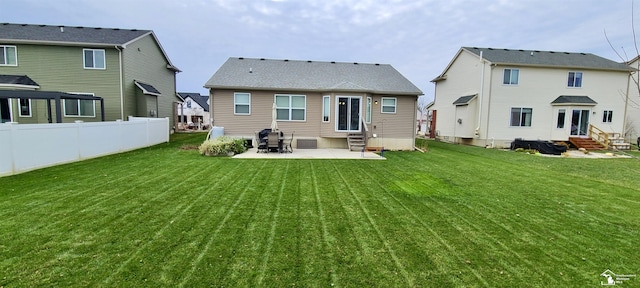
25,147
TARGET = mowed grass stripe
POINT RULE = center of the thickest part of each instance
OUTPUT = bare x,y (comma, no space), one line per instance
327,239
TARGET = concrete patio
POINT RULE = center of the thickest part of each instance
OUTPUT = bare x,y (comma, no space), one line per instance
311,154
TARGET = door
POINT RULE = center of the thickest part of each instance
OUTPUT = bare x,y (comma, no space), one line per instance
348,114
580,122
5,111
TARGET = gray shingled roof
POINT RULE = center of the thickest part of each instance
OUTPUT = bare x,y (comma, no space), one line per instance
464,100
26,33
17,80
200,99
567,99
547,58
269,74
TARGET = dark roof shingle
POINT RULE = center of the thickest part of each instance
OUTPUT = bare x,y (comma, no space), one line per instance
547,58
269,74
28,33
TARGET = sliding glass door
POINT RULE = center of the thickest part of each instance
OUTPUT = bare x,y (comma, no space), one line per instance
348,113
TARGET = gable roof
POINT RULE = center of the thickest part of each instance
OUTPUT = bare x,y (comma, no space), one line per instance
75,36
200,99
547,58
576,100
295,75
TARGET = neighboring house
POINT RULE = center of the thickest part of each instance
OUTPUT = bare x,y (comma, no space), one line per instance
193,112
323,102
633,111
126,68
489,97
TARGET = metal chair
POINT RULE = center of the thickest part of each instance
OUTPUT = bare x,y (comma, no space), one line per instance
286,145
273,142
261,144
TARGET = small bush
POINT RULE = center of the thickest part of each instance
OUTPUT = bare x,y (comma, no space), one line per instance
222,146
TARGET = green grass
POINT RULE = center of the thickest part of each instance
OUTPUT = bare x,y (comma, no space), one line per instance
453,216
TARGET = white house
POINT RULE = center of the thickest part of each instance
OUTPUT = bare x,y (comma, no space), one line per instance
489,97
633,110
193,112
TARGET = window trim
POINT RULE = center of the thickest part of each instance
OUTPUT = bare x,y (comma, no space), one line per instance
15,55
369,107
520,120
290,108
64,106
20,108
504,71
395,105
235,103
326,109
93,54
574,79
607,116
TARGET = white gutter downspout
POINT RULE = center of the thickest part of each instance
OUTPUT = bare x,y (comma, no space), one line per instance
626,104
121,89
477,133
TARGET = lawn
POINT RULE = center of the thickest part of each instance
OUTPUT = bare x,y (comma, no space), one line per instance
453,216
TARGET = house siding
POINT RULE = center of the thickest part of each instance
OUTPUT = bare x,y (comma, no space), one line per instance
60,68
145,62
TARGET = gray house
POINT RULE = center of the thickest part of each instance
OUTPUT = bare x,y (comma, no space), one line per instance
63,74
327,104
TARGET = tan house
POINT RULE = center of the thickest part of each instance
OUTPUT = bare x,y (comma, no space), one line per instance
489,97
327,104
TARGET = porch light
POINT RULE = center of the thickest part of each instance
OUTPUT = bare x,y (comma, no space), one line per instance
375,102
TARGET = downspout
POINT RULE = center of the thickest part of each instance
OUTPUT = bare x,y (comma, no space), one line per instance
626,104
121,88
480,94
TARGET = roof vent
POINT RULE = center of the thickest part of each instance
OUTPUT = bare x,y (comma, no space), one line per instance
487,48
261,59
241,58
355,63
583,53
552,52
567,53
531,53
308,61
250,70
286,60
506,49
333,62
79,27
377,64
62,29
520,50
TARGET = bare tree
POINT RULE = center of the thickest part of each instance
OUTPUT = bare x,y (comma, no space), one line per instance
422,109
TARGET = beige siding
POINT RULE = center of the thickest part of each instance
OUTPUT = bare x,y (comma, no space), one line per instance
145,62
57,68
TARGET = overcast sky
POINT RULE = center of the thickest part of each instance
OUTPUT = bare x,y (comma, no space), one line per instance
418,38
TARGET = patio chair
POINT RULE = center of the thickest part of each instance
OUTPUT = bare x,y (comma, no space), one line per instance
286,145
261,144
273,142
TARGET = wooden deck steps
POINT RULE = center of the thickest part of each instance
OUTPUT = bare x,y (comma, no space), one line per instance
356,141
586,143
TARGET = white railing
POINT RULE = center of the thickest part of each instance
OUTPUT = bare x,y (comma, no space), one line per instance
25,147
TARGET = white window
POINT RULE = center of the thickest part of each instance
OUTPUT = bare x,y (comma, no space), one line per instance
521,117
79,108
574,79
388,105
326,108
562,114
25,107
8,56
94,59
607,116
367,118
291,107
511,76
242,103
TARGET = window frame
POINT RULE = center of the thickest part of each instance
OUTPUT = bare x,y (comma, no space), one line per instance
571,82
395,105
5,55
236,103
562,118
607,116
28,106
290,107
511,70
369,107
522,121
326,109
93,55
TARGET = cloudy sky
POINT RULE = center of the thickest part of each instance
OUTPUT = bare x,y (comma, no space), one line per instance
418,38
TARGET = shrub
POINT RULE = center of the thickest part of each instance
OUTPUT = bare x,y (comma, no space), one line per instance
222,146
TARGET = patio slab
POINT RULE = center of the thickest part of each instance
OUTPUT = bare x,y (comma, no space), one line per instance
311,154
